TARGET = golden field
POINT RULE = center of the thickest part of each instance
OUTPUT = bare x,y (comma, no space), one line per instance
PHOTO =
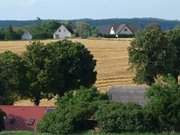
111,55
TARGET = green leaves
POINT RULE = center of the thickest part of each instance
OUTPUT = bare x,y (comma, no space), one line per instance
58,67
11,75
152,54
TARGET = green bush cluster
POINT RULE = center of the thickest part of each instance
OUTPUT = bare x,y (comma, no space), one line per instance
86,109
75,112
117,117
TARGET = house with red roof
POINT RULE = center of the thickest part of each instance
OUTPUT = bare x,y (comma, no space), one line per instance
23,117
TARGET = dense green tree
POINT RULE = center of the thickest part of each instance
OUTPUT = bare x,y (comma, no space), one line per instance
1,34
174,38
12,78
151,54
36,58
44,30
83,30
73,64
58,67
10,34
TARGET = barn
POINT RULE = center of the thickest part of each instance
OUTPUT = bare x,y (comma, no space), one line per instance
126,94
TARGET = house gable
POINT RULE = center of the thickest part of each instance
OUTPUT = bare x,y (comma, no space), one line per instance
62,32
26,36
124,30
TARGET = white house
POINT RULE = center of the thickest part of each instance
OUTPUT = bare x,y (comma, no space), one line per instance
26,36
62,32
121,29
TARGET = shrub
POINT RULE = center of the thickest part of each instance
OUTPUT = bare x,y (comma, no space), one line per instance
164,103
67,120
74,113
117,117
2,124
86,95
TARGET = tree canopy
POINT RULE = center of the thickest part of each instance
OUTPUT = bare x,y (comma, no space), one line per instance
57,67
11,75
152,54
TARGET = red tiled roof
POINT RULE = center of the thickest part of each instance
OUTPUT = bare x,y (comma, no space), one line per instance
23,117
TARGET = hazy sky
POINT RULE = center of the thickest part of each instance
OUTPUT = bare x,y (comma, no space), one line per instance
96,9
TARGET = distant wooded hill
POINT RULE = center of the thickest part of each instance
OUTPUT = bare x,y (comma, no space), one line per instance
138,23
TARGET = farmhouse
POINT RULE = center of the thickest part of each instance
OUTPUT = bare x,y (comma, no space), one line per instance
62,32
26,36
116,30
23,117
127,94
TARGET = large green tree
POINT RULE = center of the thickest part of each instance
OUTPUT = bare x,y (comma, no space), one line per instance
151,54
174,38
84,30
58,67
12,77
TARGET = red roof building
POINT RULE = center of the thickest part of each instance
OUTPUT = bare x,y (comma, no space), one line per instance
23,117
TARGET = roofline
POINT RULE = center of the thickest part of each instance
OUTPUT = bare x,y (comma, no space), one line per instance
12,106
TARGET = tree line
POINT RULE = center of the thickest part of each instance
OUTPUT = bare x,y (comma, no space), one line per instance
45,30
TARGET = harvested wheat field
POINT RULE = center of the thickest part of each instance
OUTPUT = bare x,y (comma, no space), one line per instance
111,55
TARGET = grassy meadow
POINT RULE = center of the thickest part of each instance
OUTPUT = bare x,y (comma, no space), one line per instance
111,55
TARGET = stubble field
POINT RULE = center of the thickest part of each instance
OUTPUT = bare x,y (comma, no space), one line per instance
111,55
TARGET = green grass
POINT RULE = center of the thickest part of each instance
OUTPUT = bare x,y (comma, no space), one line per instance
87,133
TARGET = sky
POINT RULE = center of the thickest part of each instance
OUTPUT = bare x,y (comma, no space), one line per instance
94,9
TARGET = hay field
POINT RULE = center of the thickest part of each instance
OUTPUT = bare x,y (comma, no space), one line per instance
111,55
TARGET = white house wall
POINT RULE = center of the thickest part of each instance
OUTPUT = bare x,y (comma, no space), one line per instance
62,33
112,31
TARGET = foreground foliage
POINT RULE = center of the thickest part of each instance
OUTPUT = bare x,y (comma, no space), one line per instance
74,113
164,102
86,133
116,117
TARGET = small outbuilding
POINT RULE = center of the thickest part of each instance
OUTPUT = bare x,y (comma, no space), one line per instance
126,94
62,32
26,36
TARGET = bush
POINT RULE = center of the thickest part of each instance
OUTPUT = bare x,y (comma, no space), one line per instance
67,120
117,117
74,113
2,124
164,103
82,95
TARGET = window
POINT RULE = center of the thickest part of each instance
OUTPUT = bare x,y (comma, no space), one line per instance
125,29
59,30
30,122
50,110
11,120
